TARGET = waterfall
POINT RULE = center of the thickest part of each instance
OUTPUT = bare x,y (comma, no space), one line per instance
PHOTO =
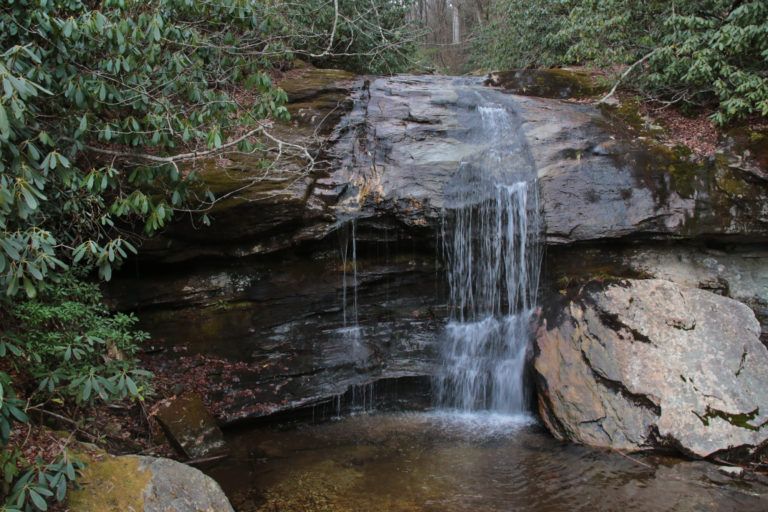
492,255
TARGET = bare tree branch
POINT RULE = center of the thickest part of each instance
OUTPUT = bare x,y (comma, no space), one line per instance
624,75
333,31
181,157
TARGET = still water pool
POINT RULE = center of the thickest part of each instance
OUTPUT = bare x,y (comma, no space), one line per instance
442,462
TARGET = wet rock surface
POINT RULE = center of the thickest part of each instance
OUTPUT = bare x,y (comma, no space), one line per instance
747,150
262,208
600,178
299,330
147,484
190,427
389,147
642,364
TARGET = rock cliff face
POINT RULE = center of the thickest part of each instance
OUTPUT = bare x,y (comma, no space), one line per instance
388,159
318,282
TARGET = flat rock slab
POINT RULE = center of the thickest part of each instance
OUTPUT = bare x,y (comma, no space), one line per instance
390,146
273,331
643,364
190,427
148,484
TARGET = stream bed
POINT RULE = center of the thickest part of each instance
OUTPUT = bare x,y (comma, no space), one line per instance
451,462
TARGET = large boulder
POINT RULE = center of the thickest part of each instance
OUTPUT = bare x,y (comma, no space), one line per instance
545,83
387,148
146,484
642,364
738,273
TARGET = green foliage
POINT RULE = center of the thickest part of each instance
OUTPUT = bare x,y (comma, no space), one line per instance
126,76
717,52
520,34
40,483
11,408
70,350
711,52
103,103
611,32
73,348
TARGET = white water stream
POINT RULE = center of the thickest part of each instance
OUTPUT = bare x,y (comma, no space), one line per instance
490,238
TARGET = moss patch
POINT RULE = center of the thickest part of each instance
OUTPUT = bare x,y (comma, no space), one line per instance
731,184
683,172
625,118
109,484
740,420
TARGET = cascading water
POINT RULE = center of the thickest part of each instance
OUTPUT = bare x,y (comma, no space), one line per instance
490,242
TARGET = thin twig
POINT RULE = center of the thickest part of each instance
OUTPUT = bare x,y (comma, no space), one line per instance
633,459
66,420
202,460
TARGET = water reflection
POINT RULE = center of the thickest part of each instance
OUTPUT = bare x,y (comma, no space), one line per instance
440,462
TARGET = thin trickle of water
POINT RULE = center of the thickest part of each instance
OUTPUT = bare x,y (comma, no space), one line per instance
363,398
350,329
358,398
354,270
489,250
490,244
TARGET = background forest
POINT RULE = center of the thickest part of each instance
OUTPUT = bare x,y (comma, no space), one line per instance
687,53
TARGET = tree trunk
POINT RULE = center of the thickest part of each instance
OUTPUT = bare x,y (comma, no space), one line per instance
456,24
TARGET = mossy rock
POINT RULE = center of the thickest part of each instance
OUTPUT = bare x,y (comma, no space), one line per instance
111,483
189,426
132,483
546,83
